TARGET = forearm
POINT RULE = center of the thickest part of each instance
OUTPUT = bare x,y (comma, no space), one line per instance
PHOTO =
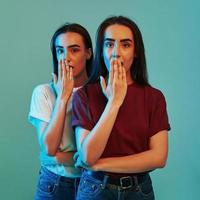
95,142
137,163
52,135
63,158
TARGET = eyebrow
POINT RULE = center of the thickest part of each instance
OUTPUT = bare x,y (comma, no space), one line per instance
122,40
70,46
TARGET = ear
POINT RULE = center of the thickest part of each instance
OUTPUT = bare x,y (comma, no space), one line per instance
88,53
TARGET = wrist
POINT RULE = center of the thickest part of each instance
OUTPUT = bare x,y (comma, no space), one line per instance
62,100
113,104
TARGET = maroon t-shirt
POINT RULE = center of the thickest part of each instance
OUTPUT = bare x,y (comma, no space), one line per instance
142,114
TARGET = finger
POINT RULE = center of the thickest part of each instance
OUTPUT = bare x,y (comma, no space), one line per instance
119,69
103,84
116,70
65,72
70,73
75,157
111,72
67,68
123,74
79,163
60,71
115,74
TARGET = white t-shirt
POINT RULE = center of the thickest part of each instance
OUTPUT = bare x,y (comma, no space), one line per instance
42,105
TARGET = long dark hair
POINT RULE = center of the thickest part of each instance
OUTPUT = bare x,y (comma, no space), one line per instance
138,68
76,28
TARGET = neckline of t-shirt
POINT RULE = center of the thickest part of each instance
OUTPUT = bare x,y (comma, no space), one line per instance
133,84
76,88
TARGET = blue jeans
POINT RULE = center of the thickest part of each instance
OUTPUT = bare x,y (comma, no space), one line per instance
54,187
91,188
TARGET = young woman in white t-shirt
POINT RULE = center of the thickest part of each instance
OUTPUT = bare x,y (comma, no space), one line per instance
50,112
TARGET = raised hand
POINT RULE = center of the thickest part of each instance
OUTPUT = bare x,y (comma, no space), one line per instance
116,88
63,83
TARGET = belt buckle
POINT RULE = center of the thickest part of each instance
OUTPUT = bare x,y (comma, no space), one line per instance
124,180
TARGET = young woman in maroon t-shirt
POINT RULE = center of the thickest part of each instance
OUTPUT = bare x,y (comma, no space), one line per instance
120,121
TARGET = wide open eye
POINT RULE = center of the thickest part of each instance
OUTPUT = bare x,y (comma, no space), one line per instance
74,49
59,51
109,44
126,44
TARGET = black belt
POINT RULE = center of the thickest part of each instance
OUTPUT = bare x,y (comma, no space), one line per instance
123,182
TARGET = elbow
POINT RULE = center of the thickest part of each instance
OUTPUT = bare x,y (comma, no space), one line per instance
161,162
160,159
90,162
48,147
50,152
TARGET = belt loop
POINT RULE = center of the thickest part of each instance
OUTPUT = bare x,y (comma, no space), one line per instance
136,182
105,179
58,179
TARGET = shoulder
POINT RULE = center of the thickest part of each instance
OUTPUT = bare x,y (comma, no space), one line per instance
149,92
87,90
154,93
154,98
43,96
43,88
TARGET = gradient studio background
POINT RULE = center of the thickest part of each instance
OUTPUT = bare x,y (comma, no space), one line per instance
171,35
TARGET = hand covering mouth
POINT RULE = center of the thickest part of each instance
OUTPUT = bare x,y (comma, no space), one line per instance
70,66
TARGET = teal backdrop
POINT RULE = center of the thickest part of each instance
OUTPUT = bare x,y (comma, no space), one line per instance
171,32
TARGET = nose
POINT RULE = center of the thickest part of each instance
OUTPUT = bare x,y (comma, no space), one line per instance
116,51
67,57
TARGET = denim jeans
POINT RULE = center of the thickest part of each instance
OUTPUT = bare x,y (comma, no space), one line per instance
94,189
54,187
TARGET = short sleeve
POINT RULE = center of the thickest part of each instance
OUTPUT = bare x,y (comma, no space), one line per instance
159,117
81,115
41,106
